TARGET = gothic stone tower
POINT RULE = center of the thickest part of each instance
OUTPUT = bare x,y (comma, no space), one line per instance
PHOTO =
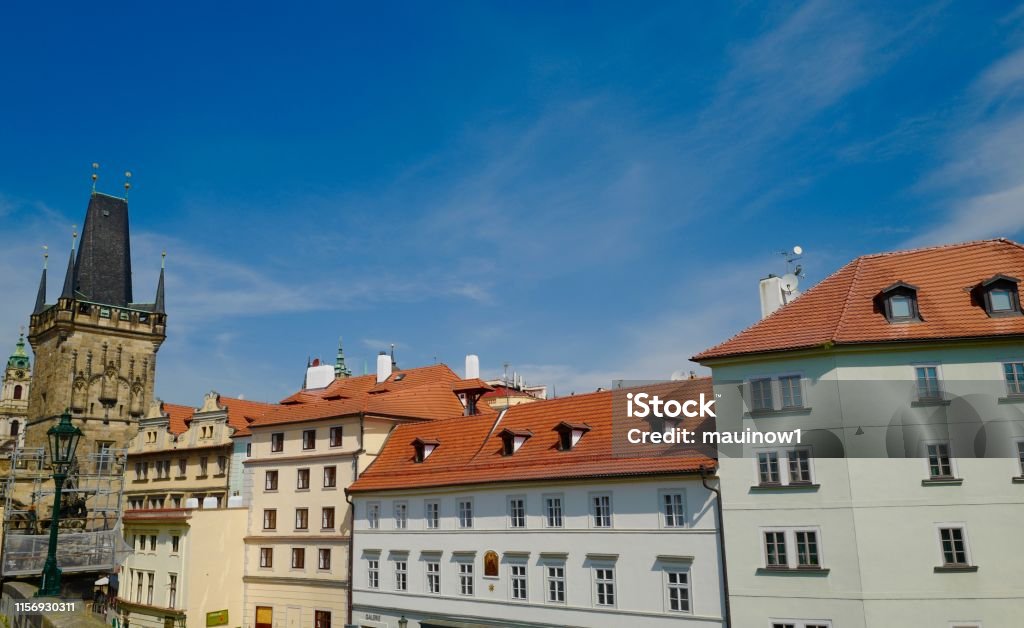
14,394
95,349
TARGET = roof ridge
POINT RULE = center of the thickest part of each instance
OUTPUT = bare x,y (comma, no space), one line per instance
948,245
846,299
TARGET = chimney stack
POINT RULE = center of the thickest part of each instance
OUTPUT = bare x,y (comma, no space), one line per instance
383,366
472,366
771,295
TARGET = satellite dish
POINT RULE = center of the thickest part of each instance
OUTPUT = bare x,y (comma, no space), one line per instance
798,250
789,282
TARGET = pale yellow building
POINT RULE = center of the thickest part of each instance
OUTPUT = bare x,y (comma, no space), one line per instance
304,454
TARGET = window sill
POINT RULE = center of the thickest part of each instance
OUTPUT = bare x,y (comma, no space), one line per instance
301,490
957,569
330,488
781,411
807,487
1017,480
927,403
1011,399
942,482
792,571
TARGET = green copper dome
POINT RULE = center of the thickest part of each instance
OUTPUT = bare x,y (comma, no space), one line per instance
19,360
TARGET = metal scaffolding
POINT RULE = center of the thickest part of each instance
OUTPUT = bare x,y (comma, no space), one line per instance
89,535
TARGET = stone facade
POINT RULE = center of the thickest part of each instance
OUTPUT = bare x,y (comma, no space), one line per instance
14,396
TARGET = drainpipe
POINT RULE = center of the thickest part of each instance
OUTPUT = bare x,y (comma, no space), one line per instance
727,612
351,549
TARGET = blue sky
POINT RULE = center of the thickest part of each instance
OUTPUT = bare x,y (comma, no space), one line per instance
583,191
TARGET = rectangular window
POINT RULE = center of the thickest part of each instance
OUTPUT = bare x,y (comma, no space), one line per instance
678,590
373,573
321,619
373,515
182,467
308,439
792,396
401,575
266,557
555,580
807,549
768,467
330,477
152,542
465,513
672,508
604,584
928,382
954,547
775,549
302,479
248,450
799,466
337,435
1014,378
323,559
270,481
466,578
270,519
1020,456
138,585
277,442
327,518
519,589
222,465
939,463
761,394
601,511
149,588
432,513
553,511
517,512
433,576
401,515
172,590
298,558
175,543
302,518
204,463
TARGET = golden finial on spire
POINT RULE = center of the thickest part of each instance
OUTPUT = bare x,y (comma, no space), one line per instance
95,175
127,182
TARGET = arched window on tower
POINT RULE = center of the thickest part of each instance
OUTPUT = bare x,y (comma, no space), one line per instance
14,428
17,392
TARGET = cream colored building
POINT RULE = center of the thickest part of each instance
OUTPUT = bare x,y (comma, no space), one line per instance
185,533
303,455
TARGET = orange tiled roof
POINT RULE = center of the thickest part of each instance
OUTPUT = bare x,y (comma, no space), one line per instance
842,309
470,449
240,413
424,393
178,417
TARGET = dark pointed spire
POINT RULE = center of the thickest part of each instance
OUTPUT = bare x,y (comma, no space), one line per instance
340,370
41,295
69,278
158,305
103,268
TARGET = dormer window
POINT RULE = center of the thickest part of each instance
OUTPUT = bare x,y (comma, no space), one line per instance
999,296
512,440
424,447
899,303
570,433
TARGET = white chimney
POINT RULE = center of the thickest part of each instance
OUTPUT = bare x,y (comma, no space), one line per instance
319,375
771,295
472,366
383,367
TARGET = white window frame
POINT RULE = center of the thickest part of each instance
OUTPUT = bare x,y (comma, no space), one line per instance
460,520
561,509
1006,383
771,391
434,561
663,517
967,542
953,470
512,578
548,579
778,464
789,535
401,570
591,498
426,514
373,515
595,568
401,523
800,385
373,572
1019,451
665,587
783,459
462,573
940,389
510,519
800,623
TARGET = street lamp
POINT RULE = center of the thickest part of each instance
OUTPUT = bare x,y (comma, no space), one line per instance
63,440
403,622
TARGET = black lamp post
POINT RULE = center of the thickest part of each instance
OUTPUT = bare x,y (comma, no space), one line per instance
403,622
63,440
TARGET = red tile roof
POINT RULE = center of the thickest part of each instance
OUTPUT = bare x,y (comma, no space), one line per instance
470,448
842,309
421,393
240,413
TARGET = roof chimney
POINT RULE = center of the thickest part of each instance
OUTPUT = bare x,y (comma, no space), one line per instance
472,366
771,295
383,366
